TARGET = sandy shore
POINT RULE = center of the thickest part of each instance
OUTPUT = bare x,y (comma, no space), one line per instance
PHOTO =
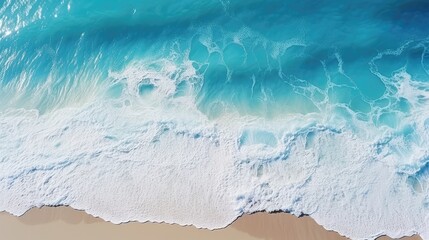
65,223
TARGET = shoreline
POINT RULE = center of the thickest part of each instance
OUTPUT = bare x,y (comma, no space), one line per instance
59,222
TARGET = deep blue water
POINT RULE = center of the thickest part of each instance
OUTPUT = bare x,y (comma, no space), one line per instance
258,57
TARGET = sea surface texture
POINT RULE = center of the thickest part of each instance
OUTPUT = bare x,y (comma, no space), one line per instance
200,111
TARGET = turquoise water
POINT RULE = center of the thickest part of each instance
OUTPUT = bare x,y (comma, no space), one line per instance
259,58
309,107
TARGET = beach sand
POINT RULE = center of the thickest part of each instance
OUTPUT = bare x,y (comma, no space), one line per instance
65,223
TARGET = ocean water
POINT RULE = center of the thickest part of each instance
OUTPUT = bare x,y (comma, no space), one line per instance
196,112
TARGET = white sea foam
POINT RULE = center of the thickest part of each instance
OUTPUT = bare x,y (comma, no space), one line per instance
153,156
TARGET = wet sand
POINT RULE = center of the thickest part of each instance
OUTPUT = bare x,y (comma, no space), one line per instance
65,223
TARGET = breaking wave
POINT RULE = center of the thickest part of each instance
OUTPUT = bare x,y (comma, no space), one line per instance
196,112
